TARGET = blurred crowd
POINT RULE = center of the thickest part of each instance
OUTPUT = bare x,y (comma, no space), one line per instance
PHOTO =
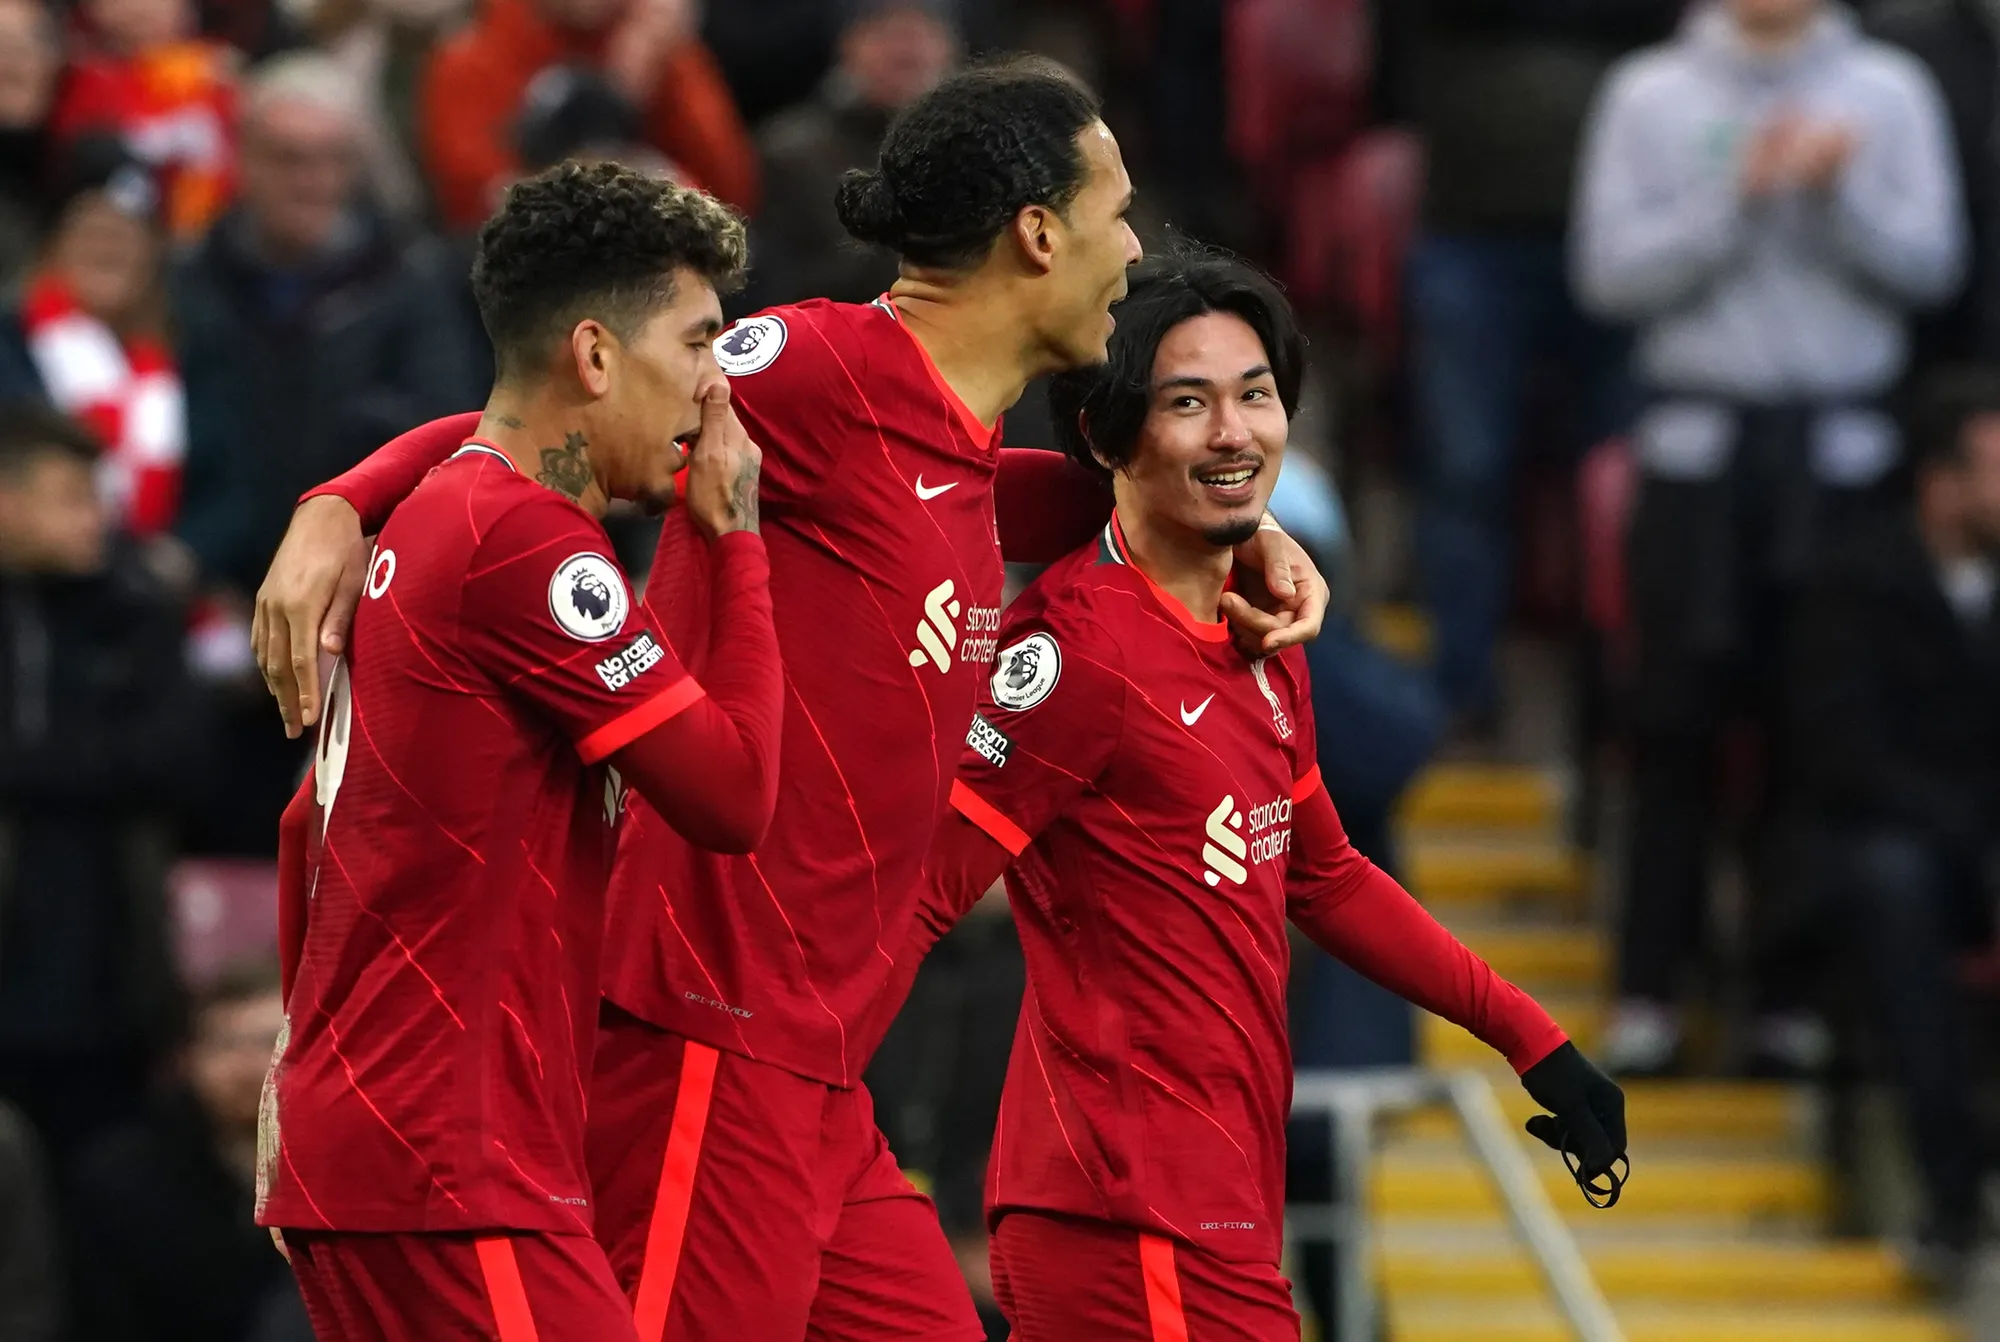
1674,328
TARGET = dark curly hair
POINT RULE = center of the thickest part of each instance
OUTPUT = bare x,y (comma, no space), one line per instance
959,163
597,240
1100,411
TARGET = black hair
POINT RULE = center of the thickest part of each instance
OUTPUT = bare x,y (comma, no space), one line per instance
30,430
1100,411
961,162
593,240
1946,401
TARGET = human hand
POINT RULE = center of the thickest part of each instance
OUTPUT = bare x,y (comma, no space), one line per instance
723,466
1769,165
307,603
1821,155
1281,597
1587,1121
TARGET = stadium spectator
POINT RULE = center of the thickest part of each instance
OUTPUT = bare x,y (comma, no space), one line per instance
164,1205
1896,715
891,51
772,52
647,48
96,738
88,336
383,46
1959,40
1767,198
311,332
31,1294
575,113
30,59
168,93
1498,90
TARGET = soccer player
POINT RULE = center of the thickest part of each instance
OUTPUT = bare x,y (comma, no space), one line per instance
422,1148
1152,795
744,1190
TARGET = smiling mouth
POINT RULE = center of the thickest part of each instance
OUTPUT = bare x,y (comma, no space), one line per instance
1228,479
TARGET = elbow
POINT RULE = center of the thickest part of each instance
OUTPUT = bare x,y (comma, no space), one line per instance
738,833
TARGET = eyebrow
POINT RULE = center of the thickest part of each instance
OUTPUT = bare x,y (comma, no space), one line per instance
1190,380
710,327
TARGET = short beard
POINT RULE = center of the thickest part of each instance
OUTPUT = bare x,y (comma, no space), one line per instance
1231,534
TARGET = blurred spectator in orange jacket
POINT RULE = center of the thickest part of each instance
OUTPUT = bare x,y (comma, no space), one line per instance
647,48
168,94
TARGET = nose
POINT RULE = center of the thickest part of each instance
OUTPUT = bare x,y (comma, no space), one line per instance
1134,253
1231,430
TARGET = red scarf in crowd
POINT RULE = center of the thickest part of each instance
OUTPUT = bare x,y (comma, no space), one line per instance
127,391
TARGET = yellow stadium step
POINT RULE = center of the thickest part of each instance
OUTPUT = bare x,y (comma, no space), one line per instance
1542,958
1755,1112
1429,1182
1420,1320
1484,797
1717,1270
1402,629
1442,1044
1485,871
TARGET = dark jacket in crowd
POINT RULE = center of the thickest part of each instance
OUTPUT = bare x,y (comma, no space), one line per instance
175,1253
293,375
1499,90
801,249
1959,41
1895,706
97,738
31,1292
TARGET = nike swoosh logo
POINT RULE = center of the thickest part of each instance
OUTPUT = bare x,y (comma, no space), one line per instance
928,494
1191,718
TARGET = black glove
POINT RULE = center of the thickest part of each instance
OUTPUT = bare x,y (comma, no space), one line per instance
1587,1120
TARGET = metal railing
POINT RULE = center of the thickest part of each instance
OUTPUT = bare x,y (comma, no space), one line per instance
1351,1102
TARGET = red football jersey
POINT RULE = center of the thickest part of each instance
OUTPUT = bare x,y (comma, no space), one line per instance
877,500
1145,773
443,1010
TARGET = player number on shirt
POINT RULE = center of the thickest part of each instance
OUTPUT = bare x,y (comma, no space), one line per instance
335,726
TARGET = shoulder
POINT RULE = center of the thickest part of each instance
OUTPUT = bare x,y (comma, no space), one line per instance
1648,76
798,340
1891,72
1082,603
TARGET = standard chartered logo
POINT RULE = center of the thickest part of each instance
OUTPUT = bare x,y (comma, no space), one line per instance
1228,847
937,634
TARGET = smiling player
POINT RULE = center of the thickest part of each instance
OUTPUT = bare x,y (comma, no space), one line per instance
1153,797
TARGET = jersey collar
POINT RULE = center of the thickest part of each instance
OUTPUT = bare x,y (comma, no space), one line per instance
1112,548
481,447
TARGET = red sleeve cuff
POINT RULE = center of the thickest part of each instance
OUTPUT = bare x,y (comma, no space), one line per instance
1536,1045
1303,789
628,727
983,814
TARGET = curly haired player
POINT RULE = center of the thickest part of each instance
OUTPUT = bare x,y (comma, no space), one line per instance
445,865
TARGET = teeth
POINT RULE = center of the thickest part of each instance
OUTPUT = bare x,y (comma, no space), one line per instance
1228,478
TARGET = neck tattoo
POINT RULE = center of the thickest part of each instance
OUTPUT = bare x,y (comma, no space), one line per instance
566,469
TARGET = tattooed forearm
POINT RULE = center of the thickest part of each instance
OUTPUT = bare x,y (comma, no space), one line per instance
566,469
743,494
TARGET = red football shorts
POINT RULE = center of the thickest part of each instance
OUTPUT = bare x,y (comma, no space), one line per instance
1066,1279
739,1202
458,1288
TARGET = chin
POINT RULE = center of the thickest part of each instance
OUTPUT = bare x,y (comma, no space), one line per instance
1233,532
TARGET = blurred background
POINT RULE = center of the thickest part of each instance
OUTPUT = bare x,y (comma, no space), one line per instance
1652,447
